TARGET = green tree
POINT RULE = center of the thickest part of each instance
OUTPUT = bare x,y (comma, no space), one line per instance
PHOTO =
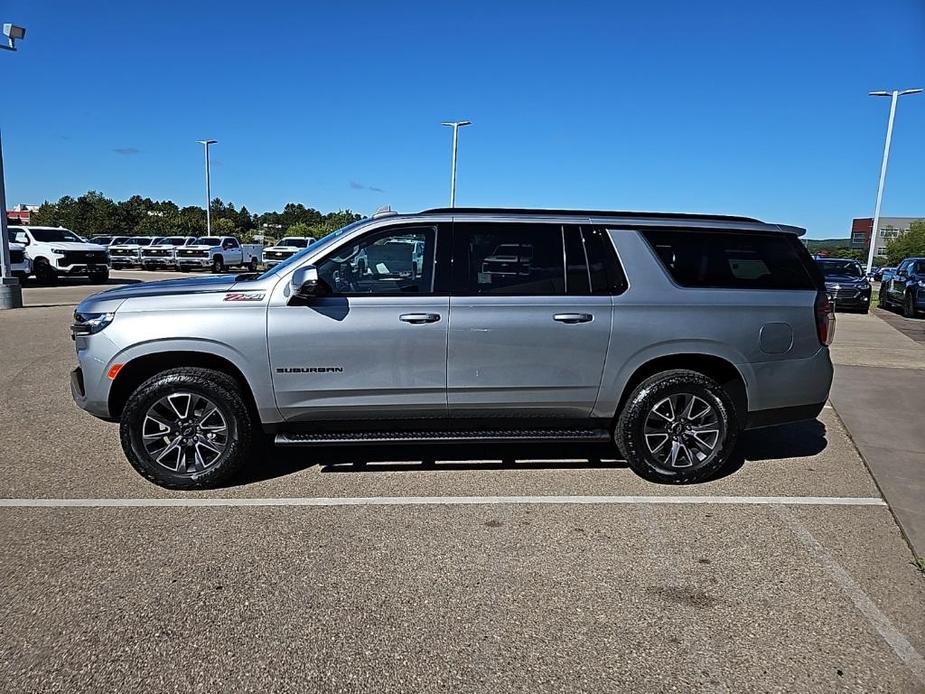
299,229
224,227
910,244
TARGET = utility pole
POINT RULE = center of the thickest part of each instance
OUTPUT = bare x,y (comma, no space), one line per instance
205,144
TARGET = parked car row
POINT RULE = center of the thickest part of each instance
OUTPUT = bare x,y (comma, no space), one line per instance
52,252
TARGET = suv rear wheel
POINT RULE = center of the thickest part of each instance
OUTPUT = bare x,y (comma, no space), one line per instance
187,428
678,427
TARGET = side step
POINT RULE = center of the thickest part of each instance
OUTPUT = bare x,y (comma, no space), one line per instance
346,438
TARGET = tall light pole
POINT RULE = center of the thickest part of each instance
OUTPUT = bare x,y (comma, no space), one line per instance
894,97
456,125
205,144
10,291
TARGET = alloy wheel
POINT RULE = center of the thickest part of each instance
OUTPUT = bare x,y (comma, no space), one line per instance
683,431
185,432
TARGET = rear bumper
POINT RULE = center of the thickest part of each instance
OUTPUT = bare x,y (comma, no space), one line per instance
782,415
784,384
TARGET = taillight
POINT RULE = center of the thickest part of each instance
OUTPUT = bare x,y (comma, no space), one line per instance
825,318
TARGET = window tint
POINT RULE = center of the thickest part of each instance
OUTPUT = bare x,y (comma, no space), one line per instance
605,271
735,260
508,259
395,261
577,279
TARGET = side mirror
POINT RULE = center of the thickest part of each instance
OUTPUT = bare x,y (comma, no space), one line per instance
306,284
901,273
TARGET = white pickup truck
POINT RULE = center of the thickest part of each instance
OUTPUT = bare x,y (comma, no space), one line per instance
287,247
56,251
218,253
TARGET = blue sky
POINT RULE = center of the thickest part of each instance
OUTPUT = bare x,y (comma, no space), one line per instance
755,108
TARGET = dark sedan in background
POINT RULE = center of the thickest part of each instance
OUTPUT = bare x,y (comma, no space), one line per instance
846,283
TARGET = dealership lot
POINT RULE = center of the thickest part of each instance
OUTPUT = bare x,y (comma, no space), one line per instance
370,575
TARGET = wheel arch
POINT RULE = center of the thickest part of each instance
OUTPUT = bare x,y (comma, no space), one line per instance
718,368
141,368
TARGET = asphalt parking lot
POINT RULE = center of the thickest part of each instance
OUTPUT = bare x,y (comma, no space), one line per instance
487,569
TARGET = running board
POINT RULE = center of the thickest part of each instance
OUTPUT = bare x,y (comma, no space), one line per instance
347,438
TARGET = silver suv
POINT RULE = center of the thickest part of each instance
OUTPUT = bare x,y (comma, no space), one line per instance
663,334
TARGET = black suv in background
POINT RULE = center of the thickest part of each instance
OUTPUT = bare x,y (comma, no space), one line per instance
846,283
905,287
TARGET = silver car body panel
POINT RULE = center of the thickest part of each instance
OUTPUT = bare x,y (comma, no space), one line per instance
349,358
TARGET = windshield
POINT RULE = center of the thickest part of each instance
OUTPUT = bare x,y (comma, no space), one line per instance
208,241
298,243
318,245
841,267
54,235
140,241
174,240
101,239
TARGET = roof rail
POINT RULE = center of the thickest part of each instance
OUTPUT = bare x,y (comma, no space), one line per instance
589,213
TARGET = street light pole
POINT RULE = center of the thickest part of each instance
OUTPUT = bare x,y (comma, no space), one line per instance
10,291
456,125
875,228
205,144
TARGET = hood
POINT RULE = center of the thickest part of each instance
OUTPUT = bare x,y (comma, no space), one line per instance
283,248
845,279
192,285
74,246
198,247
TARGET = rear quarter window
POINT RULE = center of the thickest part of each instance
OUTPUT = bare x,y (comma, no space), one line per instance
734,260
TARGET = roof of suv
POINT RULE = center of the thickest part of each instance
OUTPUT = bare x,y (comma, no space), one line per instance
658,219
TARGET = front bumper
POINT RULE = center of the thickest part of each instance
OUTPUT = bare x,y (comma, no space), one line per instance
195,262
96,407
851,299
81,269
162,261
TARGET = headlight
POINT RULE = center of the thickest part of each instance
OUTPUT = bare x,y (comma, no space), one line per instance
57,251
90,323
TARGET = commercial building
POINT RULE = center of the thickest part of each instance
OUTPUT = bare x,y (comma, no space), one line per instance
890,228
20,214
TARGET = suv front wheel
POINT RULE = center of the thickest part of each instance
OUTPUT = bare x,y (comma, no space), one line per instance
678,427
187,428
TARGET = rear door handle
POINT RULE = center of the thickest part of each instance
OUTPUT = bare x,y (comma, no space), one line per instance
573,317
417,318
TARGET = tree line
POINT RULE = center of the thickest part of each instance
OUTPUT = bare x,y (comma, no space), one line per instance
94,214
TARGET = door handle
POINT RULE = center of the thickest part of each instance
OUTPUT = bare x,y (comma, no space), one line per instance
418,318
573,317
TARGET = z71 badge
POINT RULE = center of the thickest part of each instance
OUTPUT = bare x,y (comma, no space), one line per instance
245,296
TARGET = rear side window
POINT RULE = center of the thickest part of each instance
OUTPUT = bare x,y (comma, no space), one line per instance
509,259
734,260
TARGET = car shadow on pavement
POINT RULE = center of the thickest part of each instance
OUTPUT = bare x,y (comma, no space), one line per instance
422,457
795,440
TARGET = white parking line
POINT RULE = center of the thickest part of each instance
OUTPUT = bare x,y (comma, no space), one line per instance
904,650
442,501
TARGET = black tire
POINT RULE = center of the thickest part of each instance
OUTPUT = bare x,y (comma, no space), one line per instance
44,272
183,268
224,392
99,277
884,301
218,265
679,383
909,305
252,265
